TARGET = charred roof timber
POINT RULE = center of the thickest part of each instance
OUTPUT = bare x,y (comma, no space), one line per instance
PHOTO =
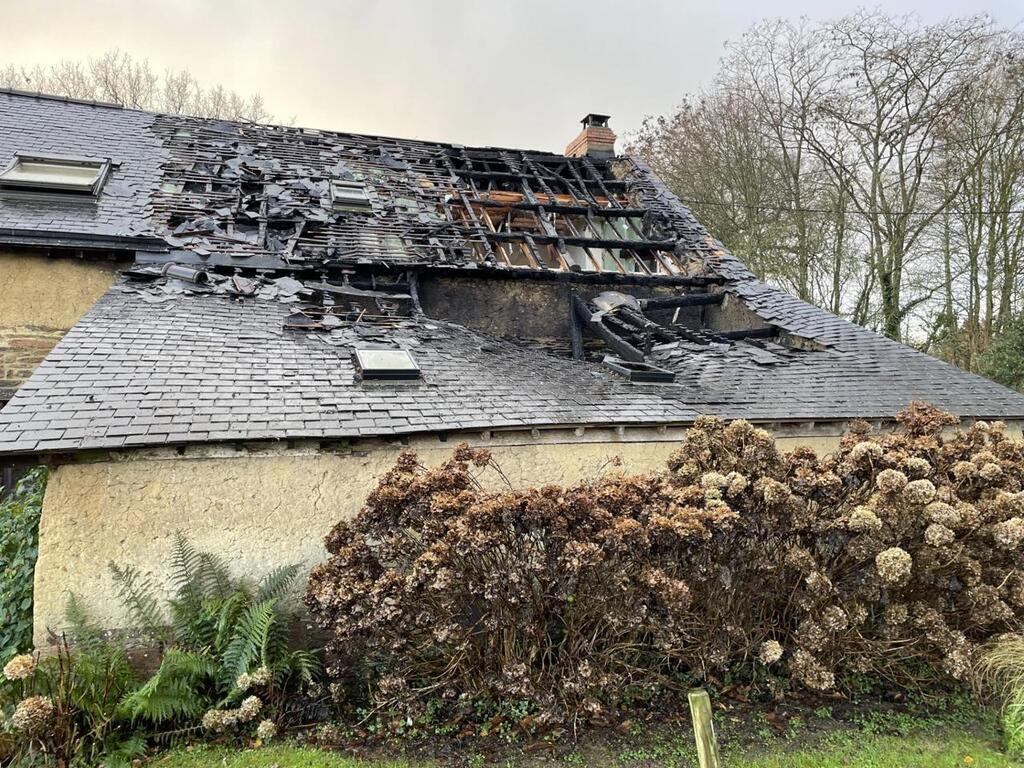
284,198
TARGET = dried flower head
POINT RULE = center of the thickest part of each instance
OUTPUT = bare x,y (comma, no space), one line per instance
944,514
863,520
255,679
266,730
891,481
915,466
33,715
919,492
1009,533
938,535
866,450
771,651
250,708
20,667
714,480
894,566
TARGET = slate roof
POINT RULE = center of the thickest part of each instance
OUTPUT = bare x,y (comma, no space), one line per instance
54,127
168,365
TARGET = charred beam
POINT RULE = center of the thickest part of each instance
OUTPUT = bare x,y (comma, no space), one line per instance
623,348
590,242
562,208
749,333
687,300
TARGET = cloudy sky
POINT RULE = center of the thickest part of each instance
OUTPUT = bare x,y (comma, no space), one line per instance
503,72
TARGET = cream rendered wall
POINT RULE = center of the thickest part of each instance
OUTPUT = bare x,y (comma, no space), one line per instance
264,509
40,299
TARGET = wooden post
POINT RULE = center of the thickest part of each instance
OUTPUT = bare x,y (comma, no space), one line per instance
703,728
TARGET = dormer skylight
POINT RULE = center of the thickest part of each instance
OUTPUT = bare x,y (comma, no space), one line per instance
62,175
386,364
349,195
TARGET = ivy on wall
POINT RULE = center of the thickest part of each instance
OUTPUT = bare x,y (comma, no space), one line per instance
19,545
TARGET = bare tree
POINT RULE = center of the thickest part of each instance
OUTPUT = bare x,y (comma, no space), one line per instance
879,172
120,78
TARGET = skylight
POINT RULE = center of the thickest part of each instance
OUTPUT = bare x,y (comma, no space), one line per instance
640,372
346,194
55,174
386,364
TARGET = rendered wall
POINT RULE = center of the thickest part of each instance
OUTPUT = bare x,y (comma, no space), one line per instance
40,299
262,510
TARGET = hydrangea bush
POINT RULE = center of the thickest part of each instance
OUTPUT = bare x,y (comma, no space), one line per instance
894,557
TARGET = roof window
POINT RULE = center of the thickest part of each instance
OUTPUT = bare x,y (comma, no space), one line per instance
67,175
386,364
349,195
640,372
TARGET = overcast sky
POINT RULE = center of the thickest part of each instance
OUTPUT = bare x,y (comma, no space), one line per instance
504,72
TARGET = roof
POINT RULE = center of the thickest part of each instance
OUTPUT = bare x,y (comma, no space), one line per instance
47,126
261,348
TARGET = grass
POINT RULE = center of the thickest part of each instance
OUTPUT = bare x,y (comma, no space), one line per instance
277,756
933,749
880,740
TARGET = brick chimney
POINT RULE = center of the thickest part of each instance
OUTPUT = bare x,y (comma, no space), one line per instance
595,140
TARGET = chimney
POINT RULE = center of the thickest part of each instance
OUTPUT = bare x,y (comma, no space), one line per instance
595,140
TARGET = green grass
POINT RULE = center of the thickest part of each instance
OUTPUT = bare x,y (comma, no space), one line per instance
932,749
948,746
277,756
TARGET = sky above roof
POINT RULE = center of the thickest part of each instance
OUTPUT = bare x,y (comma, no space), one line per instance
512,73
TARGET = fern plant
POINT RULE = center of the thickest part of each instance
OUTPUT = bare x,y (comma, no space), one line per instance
220,628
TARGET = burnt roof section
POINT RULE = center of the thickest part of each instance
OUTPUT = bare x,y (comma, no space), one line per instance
262,347
261,196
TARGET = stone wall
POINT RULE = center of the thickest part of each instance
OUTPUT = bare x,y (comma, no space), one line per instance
40,299
261,507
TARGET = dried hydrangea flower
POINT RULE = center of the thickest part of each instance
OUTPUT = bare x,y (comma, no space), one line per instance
942,513
990,470
894,566
834,619
737,484
771,651
257,678
938,535
963,470
916,466
20,667
713,480
249,709
891,481
919,492
863,520
1009,533
811,672
866,449
266,730
33,715
896,614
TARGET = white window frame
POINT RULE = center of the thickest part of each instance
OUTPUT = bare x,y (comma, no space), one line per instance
100,165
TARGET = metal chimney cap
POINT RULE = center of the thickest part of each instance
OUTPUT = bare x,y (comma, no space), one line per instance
601,121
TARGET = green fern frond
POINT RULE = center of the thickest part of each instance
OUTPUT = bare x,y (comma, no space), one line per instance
173,691
277,583
137,594
81,629
248,640
303,665
227,618
185,569
215,576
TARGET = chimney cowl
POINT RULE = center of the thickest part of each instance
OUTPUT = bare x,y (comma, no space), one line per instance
596,140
